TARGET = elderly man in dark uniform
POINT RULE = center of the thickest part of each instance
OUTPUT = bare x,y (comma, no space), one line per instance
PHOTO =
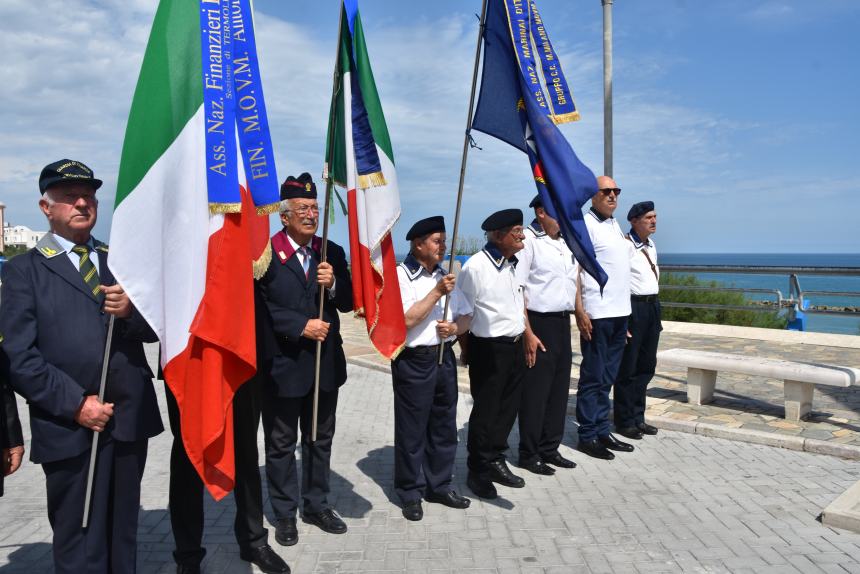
425,392
11,438
640,355
492,304
55,306
548,272
290,290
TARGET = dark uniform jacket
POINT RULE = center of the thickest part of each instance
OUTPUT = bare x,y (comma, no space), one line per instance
55,334
291,300
10,425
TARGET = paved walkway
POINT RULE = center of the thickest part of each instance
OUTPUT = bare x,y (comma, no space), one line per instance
741,402
679,503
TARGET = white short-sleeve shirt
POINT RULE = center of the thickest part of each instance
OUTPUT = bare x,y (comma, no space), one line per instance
415,283
547,270
491,294
644,280
614,253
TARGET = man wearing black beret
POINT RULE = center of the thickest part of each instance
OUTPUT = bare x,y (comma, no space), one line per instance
290,292
640,355
56,300
425,392
492,306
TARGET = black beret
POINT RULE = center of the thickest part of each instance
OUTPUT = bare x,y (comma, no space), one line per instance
502,219
66,171
640,209
536,202
426,226
302,187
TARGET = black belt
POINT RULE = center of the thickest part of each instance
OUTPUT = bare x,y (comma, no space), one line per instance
560,314
645,298
514,339
425,349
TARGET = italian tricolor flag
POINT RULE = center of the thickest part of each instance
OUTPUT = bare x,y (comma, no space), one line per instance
187,271
359,150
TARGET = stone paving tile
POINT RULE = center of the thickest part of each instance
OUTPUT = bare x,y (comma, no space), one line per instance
679,503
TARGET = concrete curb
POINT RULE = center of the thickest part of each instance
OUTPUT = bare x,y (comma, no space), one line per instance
850,452
844,512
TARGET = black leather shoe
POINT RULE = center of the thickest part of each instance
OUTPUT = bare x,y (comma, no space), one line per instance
500,473
629,432
482,487
594,449
613,443
450,499
188,569
558,460
645,428
265,559
413,511
327,520
539,467
286,533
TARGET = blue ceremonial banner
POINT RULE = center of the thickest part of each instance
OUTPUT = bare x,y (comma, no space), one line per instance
235,110
255,141
511,107
561,105
218,106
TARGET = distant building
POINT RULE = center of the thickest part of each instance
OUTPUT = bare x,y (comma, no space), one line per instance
21,236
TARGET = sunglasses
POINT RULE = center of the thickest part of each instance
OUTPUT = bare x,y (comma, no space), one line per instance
608,190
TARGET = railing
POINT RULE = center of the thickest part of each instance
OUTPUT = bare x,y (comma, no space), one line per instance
796,303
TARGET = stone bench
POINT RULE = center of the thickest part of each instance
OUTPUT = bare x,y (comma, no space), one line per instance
799,378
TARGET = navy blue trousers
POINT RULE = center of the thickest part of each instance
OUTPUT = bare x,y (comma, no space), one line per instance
109,543
638,365
425,422
543,408
601,357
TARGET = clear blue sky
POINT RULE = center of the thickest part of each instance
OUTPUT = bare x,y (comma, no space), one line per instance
738,118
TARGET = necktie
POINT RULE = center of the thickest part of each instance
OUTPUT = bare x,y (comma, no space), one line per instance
88,271
306,259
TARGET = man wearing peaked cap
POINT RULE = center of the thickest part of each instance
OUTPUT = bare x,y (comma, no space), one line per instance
56,299
425,392
290,294
547,271
492,307
640,355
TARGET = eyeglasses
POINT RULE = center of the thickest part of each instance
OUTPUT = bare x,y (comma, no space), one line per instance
608,190
305,209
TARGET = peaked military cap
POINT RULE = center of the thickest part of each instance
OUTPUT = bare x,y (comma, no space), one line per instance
302,187
502,219
640,209
426,227
66,171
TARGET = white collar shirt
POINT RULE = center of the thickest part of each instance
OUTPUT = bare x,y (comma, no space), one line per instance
415,283
547,270
491,294
643,280
303,252
74,257
614,253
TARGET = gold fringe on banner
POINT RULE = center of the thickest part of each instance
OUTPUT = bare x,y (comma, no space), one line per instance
261,264
375,179
225,208
269,209
564,118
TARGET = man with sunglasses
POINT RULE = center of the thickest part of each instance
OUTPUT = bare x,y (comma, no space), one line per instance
290,291
492,307
602,321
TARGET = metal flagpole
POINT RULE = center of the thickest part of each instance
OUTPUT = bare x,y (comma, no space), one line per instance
607,87
89,492
325,215
466,141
